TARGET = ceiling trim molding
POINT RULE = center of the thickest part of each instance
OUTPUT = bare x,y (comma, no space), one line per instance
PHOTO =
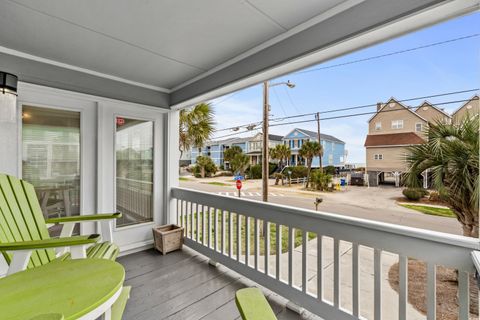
80,69
25,87
345,5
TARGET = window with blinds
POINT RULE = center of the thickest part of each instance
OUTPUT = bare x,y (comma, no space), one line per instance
51,158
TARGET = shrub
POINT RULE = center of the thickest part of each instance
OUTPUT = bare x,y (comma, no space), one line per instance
414,194
297,172
320,180
329,170
435,196
272,167
255,172
205,167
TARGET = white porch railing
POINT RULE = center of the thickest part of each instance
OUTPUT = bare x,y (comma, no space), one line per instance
135,198
242,231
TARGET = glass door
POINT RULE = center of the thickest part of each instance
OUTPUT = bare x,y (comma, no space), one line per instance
130,170
134,170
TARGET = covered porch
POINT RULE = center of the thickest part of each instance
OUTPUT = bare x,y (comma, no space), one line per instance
94,126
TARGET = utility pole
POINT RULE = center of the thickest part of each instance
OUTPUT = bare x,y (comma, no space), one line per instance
265,144
265,166
317,116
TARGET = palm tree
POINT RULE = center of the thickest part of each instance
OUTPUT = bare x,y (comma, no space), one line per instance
451,155
283,153
196,126
309,150
231,152
239,163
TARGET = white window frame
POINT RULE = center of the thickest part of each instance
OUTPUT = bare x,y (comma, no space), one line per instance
397,124
378,156
421,127
378,126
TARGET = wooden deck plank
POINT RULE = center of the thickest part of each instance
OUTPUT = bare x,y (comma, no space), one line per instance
213,301
182,285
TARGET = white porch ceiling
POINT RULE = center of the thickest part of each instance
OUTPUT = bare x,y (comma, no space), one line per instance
158,43
179,52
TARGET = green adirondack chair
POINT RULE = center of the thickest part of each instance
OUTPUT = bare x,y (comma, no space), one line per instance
24,238
252,305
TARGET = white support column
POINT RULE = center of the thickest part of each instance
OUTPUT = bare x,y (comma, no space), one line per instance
171,163
10,142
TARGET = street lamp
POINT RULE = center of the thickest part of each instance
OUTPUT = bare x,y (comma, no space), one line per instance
266,106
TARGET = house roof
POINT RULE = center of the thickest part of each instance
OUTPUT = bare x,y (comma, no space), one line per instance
235,140
392,139
399,103
314,135
475,97
433,106
225,141
272,137
275,137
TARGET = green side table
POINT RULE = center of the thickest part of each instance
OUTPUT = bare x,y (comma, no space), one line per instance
77,289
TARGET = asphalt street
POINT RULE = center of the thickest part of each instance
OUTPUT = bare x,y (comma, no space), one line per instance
376,204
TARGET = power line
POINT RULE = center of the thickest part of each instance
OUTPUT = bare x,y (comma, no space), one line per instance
279,101
349,108
389,54
361,114
374,104
226,98
343,116
294,105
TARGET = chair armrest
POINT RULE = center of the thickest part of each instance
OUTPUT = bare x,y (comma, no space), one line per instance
50,243
252,305
90,217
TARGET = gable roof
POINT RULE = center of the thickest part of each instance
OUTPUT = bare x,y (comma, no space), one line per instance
392,99
392,139
314,135
433,106
475,97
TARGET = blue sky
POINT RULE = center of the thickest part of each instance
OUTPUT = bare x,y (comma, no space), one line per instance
445,68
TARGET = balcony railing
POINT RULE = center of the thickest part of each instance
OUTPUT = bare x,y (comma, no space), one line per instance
262,241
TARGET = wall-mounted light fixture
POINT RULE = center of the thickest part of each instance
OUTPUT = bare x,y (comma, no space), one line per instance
8,97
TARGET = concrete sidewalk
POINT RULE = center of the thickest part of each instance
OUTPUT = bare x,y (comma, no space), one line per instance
389,296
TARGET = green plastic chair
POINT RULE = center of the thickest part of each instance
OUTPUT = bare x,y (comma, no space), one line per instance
252,305
24,238
116,312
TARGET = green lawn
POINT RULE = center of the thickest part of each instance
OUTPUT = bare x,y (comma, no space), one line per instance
442,212
216,183
183,179
273,232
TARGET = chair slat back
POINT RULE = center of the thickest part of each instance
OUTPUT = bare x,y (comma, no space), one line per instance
21,218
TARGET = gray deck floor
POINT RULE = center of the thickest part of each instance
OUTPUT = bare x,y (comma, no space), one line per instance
182,285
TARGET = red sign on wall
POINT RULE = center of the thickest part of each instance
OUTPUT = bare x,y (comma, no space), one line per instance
120,121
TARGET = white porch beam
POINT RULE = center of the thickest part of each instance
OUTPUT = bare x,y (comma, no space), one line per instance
57,76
